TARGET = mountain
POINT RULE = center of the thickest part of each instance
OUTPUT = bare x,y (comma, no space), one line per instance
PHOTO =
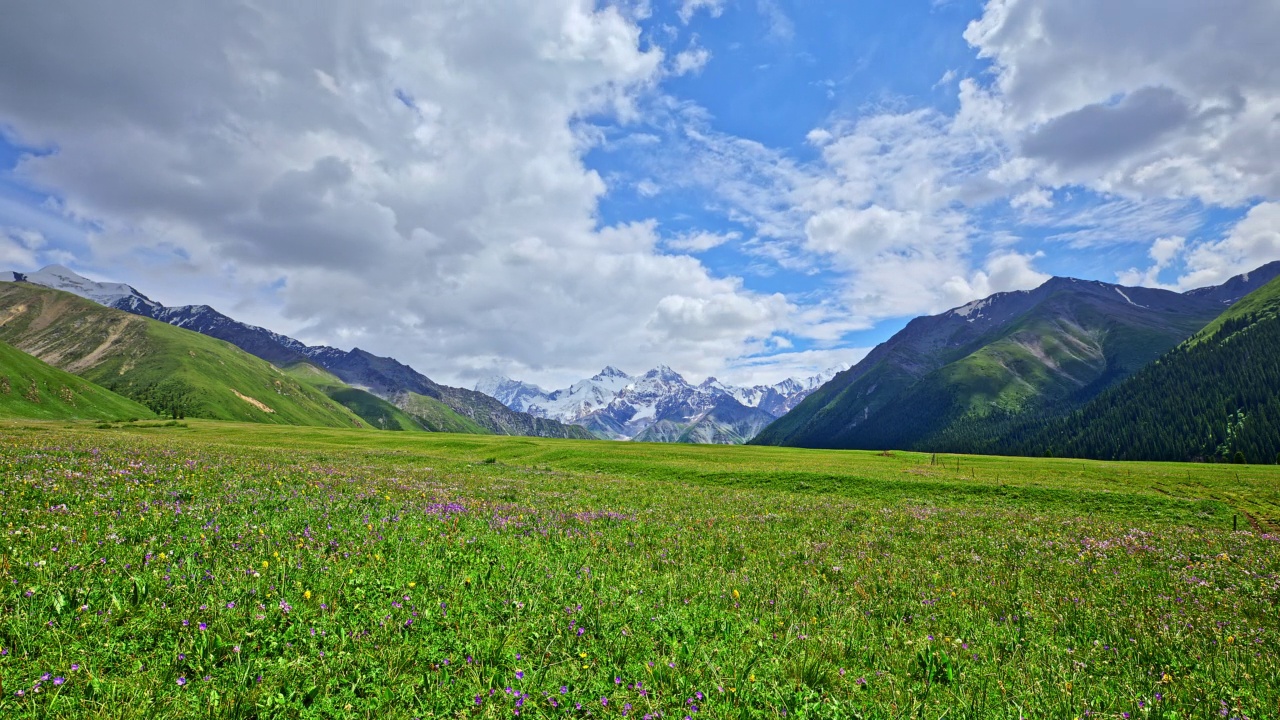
658,406
375,411
1215,397
170,370
384,377
62,278
30,388
991,361
725,422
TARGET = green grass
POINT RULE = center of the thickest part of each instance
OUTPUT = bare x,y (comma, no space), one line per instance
373,410
438,417
1263,302
31,389
149,361
232,570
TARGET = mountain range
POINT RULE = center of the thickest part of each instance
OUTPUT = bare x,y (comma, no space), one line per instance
433,406
1009,359
659,405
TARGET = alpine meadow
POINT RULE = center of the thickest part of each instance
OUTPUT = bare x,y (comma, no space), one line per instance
640,359
235,570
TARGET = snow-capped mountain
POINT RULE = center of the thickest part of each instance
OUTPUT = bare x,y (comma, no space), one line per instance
67,280
659,405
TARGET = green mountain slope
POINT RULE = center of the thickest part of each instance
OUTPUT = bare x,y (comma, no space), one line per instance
435,416
1215,397
1009,355
30,388
168,369
373,410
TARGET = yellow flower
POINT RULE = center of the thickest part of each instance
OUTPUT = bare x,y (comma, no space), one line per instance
1166,679
1231,639
413,585
751,678
582,655
736,595
307,595
275,555
264,564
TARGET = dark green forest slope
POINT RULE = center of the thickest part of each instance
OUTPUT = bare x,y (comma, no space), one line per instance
1215,397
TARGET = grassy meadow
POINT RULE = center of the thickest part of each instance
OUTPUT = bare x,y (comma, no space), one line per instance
204,569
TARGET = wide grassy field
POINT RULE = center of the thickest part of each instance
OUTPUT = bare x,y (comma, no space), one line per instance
224,570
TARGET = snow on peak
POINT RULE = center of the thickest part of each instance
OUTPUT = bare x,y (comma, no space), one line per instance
609,372
973,310
60,277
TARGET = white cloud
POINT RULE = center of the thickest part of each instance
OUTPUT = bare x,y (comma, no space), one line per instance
407,177
691,60
19,247
1167,102
1253,242
702,241
689,8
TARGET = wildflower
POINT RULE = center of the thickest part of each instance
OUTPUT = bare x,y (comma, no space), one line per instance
519,674
307,595
75,667
182,681
59,680
203,627
264,564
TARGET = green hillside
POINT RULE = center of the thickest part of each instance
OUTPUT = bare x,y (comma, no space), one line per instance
438,417
373,410
1216,397
948,378
173,371
30,388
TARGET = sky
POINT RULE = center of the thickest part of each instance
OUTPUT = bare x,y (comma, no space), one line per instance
750,189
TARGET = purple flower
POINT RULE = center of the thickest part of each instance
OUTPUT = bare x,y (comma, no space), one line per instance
519,674
478,701
182,681
203,627
564,689
59,680
604,701
75,667
231,606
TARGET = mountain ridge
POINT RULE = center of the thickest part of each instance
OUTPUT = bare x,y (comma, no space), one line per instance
384,377
1061,342
658,405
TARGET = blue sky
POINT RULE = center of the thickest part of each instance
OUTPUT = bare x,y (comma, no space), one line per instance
744,188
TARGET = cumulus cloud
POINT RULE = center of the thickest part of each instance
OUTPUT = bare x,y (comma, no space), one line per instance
1164,251
1253,241
691,60
404,176
1177,100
